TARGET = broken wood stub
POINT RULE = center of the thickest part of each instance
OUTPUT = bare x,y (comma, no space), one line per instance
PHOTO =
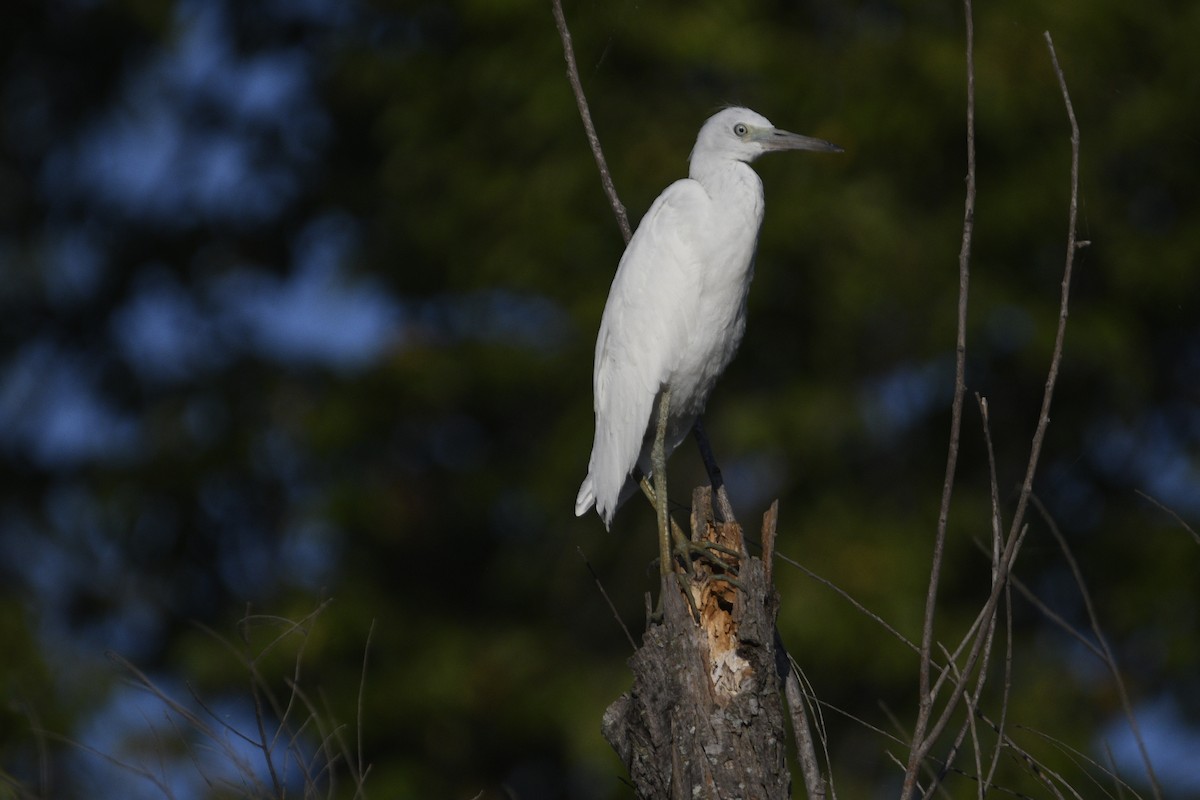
704,718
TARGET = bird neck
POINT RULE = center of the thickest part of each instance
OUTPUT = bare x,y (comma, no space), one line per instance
730,183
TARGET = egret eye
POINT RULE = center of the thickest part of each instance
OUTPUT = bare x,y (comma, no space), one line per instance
740,130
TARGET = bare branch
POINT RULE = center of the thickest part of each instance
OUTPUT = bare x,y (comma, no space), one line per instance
851,600
925,734
1007,691
608,600
967,725
985,626
814,784
1072,245
1057,618
813,703
585,114
1110,661
1173,515
979,643
925,704
1077,757
997,524
997,546
979,636
985,637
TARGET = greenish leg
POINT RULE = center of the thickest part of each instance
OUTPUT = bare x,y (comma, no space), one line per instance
658,463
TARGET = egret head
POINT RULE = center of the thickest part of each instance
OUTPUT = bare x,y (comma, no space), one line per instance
740,134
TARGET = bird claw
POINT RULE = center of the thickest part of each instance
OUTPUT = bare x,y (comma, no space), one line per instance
721,569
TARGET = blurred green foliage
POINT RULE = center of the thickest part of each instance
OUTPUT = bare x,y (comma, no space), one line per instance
446,471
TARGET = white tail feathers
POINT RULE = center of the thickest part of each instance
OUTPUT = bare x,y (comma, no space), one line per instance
586,498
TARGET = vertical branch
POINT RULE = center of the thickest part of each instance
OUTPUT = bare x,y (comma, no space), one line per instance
586,115
1006,692
925,706
926,734
997,565
1001,562
1039,434
810,767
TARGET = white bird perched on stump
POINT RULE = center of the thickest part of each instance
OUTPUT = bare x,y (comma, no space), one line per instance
677,310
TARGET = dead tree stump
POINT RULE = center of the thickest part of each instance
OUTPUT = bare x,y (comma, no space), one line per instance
704,718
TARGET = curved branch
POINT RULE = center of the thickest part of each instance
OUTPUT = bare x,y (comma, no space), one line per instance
585,114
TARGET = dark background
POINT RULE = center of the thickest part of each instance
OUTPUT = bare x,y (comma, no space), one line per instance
298,303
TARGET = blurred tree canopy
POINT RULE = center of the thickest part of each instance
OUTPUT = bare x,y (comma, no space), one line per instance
299,304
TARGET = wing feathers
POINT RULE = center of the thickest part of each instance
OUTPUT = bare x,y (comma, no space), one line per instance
650,311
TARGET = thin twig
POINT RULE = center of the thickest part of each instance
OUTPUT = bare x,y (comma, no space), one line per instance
997,541
994,483
1039,770
585,114
1039,434
263,743
924,734
818,716
851,600
1173,515
1076,756
935,783
997,547
968,725
277,744
987,637
925,703
1007,691
1112,763
999,573
806,751
1110,660
979,643
362,682
1056,618
986,613
603,593
979,637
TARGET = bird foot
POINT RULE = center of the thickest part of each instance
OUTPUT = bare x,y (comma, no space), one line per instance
722,561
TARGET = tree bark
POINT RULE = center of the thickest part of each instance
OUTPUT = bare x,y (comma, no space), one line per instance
704,718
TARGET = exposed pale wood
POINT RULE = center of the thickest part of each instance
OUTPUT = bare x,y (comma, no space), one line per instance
705,717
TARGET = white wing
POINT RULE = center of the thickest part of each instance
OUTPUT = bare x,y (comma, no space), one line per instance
646,324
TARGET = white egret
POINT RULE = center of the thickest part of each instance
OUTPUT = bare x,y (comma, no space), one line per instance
677,310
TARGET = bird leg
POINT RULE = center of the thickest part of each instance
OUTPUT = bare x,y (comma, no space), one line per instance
714,472
680,538
658,463
685,548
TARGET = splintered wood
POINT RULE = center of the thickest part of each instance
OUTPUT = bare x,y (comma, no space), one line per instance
704,717
715,597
